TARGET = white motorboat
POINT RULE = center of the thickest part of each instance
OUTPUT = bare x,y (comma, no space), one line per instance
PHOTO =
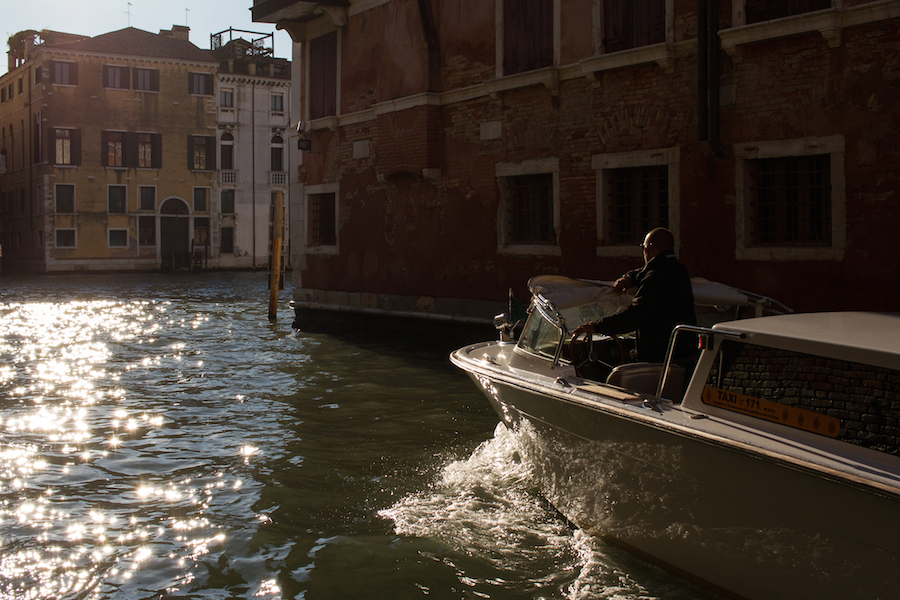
767,468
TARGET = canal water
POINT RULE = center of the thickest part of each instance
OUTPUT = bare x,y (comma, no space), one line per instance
160,438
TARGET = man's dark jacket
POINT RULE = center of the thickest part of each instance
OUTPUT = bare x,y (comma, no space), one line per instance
663,300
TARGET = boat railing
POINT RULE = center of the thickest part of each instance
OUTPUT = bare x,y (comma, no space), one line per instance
555,318
705,337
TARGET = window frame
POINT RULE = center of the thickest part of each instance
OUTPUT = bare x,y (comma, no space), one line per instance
58,230
318,191
109,199
109,240
209,152
56,199
226,92
124,76
505,171
226,231
205,199
70,75
144,79
602,163
323,76
222,205
835,147
201,84
74,138
141,198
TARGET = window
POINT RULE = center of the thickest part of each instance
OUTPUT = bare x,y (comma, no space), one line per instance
277,154
637,201
527,35
200,84
115,148
63,73
145,150
529,202
145,80
791,199
201,232
147,197
118,238
633,23
636,192
200,199
201,153
65,238
115,77
226,98
65,198
323,76
766,10
147,231
226,152
322,221
116,199
226,245
276,102
529,206
66,147
226,202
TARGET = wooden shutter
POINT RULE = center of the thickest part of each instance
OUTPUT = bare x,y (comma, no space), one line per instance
617,23
190,153
104,148
323,76
156,159
76,146
211,153
131,149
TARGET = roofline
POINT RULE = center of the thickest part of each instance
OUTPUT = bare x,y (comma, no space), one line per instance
39,50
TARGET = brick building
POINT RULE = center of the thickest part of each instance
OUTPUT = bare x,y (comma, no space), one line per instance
458,148
111,151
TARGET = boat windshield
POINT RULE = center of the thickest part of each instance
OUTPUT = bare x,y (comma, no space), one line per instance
549,324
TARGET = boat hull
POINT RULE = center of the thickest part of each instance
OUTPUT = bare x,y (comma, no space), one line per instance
739,522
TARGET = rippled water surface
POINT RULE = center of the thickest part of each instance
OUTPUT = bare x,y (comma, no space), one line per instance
160,438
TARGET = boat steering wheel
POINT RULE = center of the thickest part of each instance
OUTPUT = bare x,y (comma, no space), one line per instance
583,352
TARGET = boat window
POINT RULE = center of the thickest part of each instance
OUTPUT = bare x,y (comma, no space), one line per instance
540,335
851,402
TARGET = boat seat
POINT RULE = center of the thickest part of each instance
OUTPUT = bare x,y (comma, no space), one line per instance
644,378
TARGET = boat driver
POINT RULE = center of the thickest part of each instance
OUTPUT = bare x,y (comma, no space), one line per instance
663,300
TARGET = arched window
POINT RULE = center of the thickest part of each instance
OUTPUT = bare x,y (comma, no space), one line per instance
277,153
174,206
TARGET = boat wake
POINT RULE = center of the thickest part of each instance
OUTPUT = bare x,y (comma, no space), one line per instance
487,510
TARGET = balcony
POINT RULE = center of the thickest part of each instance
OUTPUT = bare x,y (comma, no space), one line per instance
228,177
277,178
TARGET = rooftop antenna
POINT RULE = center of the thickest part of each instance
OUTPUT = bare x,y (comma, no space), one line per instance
186,11
128,12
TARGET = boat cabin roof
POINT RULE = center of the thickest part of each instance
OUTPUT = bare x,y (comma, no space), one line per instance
862,337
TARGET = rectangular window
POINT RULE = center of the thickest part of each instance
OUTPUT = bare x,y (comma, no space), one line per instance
527,35
201,153
323,76
276,102
790,201
115,149
147,197
116,199
63,73
145,150
322,221
277,159
529,200
226,202
118,238
145,80
227,240
637,201
766,10
201,232
115,77
633,23
65,198
200,199
200,84
226,98
65,238
227,152
147,231
64,146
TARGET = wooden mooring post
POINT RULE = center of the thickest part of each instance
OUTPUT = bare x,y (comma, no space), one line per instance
276,254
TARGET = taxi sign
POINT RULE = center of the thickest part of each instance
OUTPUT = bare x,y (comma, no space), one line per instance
791,416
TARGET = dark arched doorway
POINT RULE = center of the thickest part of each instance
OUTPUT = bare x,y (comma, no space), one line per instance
174,230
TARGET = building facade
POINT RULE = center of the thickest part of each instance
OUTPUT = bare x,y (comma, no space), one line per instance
254,95
115,147
458,148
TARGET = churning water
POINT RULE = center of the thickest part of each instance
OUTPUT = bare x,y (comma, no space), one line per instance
160,438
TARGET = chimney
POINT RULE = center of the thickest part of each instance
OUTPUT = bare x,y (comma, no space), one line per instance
178,32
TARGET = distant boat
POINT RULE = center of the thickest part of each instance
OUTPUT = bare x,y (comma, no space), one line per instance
768,468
